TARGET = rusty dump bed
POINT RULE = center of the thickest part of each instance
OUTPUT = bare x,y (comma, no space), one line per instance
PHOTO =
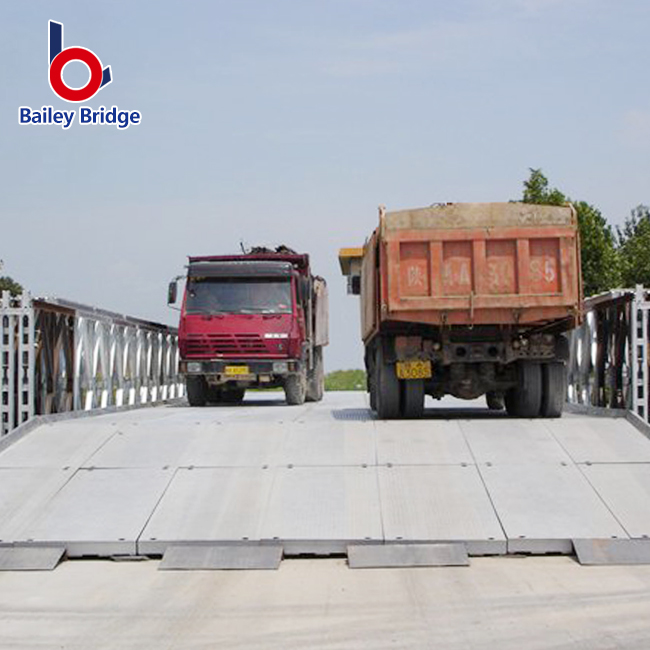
472,264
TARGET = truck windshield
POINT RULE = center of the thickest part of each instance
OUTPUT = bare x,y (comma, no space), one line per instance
238,296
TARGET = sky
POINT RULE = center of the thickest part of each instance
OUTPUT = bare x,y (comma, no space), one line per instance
291,121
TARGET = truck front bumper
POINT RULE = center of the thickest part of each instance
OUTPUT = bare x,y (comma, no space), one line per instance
231,369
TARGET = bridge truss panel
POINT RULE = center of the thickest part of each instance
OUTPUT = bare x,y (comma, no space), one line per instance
608,359
58,356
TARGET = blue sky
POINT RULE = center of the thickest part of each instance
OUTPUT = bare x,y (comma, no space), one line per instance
292,121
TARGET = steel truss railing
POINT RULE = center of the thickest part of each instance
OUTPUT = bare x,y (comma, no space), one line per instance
608,364
58,356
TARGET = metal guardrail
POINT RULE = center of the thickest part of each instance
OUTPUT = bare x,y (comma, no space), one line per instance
608,364
58,356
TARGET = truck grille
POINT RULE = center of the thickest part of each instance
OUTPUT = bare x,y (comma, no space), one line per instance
224,344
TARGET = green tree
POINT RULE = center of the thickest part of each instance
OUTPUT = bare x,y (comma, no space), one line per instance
536,190
600,259
634,247
9,284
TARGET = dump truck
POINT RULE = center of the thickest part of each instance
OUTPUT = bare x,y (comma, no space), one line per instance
468,299
253,320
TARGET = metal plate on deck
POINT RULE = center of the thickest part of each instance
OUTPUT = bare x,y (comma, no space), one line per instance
612,551
209,504
600,440
509,441
424,442
443,503
367,556
221,557
100,512
68,443
24,494
148,445
625,489
543,507
328,443
333,505
235,444
30,558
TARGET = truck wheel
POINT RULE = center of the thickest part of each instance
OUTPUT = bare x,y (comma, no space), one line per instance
197,390
525,399
232,395
316,381
387,388
553,389
295,388
412,398
494,400
371,378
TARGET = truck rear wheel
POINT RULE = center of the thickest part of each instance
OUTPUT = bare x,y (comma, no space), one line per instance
387,388
553,389
295,388
197,390
371,379
316,381
525,399
412,405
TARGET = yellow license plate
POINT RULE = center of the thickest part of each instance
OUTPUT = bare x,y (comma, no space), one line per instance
414,369
236,371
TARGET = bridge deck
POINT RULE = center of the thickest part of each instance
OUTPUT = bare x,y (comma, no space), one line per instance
317,477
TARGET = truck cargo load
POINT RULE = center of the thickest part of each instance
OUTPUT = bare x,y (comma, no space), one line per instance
468,299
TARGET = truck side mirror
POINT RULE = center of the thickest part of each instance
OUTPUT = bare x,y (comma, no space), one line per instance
171,292
354,285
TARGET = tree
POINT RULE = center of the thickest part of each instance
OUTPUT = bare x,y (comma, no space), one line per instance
536,190
600,260
634,247
9,284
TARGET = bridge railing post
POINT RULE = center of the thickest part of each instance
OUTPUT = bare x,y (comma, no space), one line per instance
639,361
16,360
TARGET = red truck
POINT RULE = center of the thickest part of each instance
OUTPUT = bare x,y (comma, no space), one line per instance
468,299
252,320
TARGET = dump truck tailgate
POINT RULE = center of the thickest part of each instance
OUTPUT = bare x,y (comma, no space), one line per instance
478,263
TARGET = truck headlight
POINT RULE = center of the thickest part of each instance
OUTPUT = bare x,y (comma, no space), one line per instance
280,367
194,366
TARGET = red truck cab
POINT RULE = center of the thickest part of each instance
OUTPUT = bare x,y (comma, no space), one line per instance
255,320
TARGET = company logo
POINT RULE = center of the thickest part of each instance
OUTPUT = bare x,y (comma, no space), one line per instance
60,57
99,76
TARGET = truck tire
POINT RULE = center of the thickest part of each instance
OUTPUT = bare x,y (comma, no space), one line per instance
553,389
387,388
295,388
412,405
197,390
232,395
525,399
495,401
371,379
316,381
